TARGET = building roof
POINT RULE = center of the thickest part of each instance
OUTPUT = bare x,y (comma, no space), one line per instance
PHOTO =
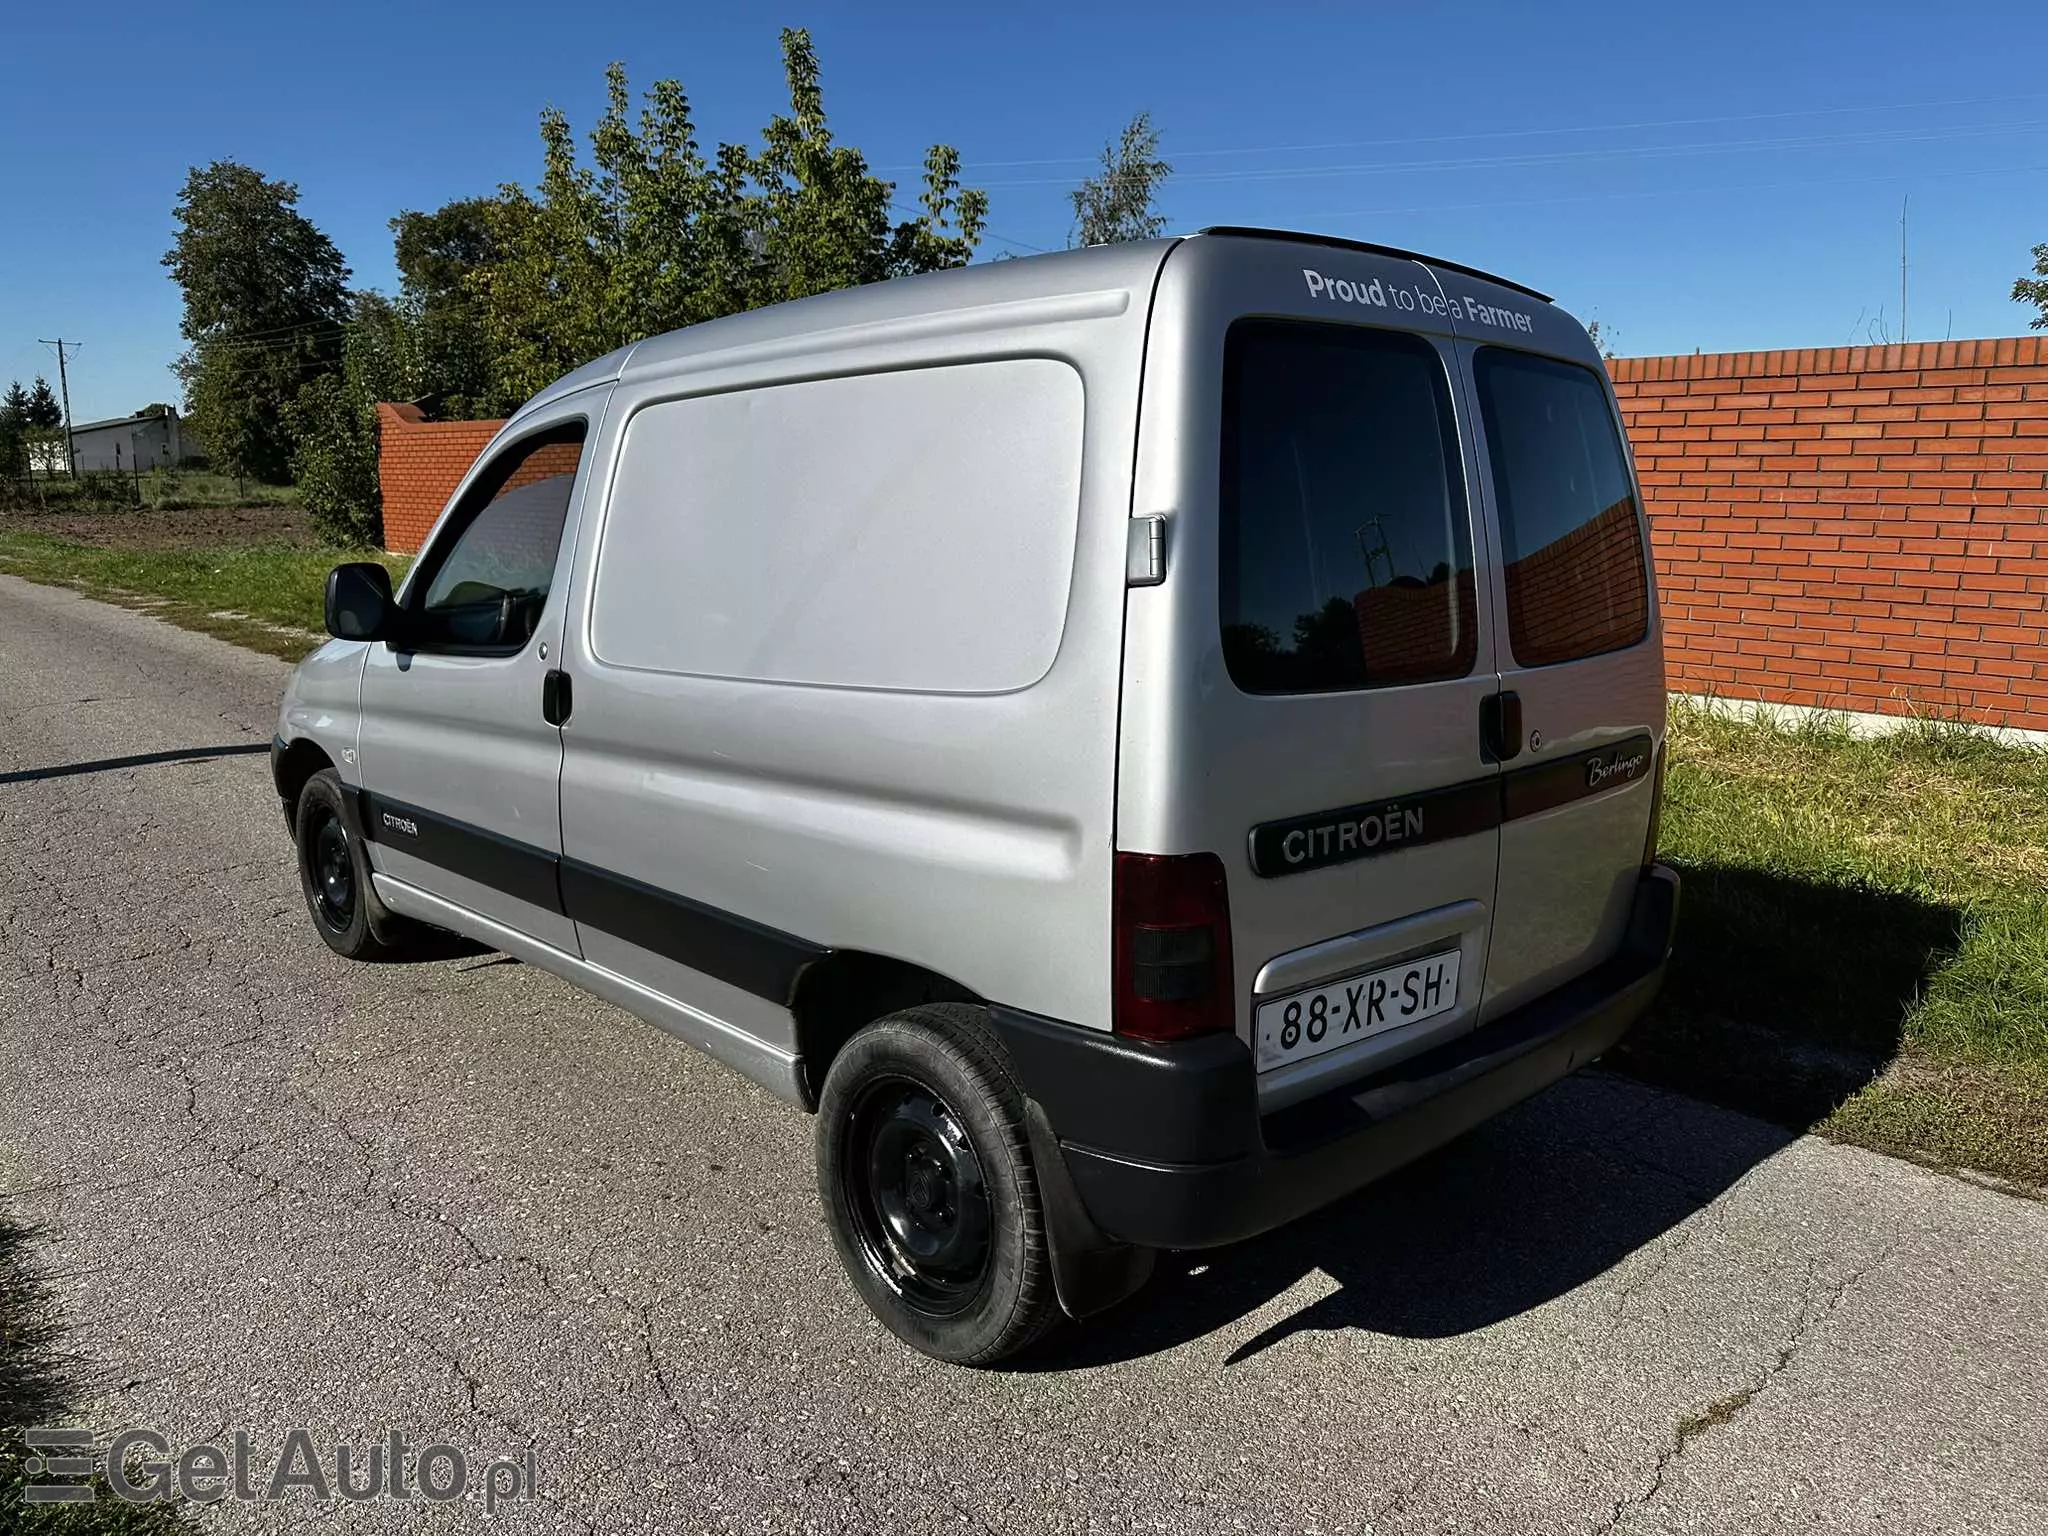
115,421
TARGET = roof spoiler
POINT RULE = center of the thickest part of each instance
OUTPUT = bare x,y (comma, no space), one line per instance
1342,244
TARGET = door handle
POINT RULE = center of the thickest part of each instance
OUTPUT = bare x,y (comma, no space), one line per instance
1500,726
557,697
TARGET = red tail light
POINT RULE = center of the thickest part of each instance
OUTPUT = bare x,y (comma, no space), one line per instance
1172,946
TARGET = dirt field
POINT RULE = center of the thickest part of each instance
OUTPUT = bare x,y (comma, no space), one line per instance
188,528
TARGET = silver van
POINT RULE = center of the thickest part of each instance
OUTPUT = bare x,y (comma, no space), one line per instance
1141,741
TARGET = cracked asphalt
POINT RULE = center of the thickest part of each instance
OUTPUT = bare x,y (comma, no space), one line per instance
463,1199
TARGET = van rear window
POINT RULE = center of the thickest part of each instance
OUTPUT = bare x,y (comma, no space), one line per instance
1347,546
1570,538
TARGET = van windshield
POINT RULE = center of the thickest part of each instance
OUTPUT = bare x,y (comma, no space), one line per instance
1346,544
1571,542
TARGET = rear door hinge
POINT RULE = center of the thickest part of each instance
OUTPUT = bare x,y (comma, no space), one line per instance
1145,552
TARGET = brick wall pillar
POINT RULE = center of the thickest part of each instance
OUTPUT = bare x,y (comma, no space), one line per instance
419,464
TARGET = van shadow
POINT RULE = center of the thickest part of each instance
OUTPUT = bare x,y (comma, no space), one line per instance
1783,997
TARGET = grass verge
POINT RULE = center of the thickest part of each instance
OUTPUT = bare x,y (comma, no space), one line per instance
162,489
1863,948
265,597
34,1393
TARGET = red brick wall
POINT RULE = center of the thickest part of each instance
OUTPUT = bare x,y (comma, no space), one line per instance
1856,528
1416,631
1603,604
418,465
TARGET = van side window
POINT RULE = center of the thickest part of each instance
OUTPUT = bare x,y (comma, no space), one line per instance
486,592
911,530
1346,543
1571,542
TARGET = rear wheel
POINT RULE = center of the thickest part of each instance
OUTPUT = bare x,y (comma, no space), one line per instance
925,1171
334,875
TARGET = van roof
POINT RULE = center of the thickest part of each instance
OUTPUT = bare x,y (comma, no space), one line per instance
1343,244
1091,276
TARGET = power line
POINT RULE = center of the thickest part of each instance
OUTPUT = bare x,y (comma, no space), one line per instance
276,334
1022,245
64,383
1563,157
1518,133
1615,197
255,348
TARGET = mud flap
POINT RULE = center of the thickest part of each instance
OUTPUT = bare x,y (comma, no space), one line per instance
1091,1271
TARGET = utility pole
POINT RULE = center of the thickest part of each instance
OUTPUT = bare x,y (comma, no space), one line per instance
64,384
1906,203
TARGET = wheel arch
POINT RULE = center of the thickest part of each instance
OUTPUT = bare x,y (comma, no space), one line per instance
840,993
297,763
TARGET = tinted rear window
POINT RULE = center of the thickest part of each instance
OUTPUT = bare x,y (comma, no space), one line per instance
1346,545
1570,538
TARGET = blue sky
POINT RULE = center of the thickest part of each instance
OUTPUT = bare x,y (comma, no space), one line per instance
1711,177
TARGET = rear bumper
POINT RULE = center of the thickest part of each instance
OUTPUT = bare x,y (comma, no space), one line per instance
1166,1149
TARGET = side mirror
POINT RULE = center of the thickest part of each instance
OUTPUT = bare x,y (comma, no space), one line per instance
359,602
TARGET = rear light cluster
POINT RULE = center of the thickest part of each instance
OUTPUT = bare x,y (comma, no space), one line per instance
1172,946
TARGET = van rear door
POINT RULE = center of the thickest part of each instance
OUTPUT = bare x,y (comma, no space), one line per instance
1302,692
1582,701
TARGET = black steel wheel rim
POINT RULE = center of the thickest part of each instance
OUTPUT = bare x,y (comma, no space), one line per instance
919,1201
332,870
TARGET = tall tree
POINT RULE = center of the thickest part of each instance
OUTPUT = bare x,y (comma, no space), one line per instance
14,426
265,296
333,420
437,254
655,233
42,409
2034,290
1119,204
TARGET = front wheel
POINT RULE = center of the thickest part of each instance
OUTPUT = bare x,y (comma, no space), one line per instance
925,1170
335,877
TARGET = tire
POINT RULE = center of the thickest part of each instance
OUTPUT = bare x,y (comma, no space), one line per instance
334,877
924,1167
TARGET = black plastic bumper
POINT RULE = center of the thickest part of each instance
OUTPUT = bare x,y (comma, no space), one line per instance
277,747
1165,1146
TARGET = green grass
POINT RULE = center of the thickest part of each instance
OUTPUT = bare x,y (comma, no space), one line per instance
266,597
1863,943
165,489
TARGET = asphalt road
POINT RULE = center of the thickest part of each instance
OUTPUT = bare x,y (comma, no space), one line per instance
463,1199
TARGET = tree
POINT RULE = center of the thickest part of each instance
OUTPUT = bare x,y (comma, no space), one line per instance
333,419
155,408
437,254
655,234
265,295
42,409
2034,290
14,426
1118,204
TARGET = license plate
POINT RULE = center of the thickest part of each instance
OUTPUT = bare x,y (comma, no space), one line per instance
1305,1024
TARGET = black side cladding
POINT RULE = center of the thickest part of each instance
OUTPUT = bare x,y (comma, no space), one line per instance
736,950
